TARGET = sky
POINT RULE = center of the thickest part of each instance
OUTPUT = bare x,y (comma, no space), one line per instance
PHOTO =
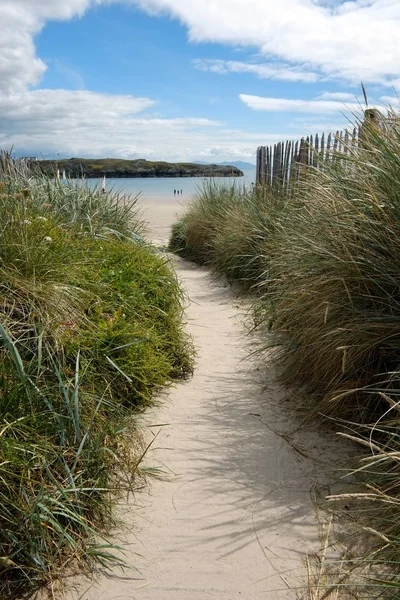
189,80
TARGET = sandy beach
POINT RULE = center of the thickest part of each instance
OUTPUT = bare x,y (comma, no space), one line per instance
160,214
232,516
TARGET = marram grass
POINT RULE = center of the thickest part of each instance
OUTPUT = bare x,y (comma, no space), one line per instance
90,328
324,264
231,229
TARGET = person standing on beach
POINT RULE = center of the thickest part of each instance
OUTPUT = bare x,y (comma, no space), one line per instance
181,192
174,192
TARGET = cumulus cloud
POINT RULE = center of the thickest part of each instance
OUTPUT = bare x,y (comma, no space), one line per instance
278,71
82,122
21,20
355,40
64,109
303,106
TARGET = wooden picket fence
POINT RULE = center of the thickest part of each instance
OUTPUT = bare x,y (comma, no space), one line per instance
283,163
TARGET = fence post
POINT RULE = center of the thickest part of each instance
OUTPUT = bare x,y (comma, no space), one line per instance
258,166
316,151
268,165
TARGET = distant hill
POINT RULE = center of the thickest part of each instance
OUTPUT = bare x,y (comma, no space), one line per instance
239,164
116,167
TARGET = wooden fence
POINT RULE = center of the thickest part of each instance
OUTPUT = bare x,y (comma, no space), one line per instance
283,163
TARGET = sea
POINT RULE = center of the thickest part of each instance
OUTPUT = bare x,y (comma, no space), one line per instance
160,188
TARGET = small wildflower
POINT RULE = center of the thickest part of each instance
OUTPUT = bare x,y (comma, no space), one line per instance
47,238
27,222
41,219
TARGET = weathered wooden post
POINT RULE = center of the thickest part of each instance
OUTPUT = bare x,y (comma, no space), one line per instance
258,164
267,180
373,121
316,151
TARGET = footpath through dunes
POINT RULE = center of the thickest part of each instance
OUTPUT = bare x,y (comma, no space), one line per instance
233,516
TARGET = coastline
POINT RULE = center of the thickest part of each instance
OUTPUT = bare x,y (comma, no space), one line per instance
162,188
76,168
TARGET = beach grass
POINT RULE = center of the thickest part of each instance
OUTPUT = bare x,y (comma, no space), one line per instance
230,227
90,329
323,264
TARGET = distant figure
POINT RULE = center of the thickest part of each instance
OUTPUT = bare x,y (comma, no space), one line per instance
178,192
181,192
174,192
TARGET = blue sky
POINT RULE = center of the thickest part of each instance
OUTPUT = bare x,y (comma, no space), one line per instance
206,80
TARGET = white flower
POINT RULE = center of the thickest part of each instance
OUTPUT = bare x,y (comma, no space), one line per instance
41,219
27,222
47,238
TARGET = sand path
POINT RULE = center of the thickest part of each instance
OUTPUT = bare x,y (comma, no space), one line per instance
233,516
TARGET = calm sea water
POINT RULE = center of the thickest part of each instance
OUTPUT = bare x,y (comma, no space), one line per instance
163,187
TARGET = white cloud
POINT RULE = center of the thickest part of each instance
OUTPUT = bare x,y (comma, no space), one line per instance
337,96
65,108
21,20
303,106
357,41
82,123
393,101
86,122
279,71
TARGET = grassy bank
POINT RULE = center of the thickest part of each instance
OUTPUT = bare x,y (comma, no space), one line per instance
90,328
324,263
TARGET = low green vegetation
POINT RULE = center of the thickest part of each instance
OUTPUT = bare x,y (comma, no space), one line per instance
118,167
323,263
90,328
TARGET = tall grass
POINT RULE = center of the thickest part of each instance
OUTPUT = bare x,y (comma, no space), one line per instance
230,228
324,263
90,328
334,280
